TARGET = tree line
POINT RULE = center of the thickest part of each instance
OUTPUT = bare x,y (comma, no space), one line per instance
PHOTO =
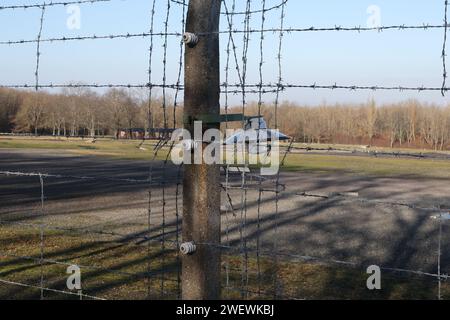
405,124
81,111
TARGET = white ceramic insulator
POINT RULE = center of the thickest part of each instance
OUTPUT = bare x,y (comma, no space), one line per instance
190,39
188,248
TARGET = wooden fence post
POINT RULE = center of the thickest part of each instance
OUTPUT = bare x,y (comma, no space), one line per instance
201,189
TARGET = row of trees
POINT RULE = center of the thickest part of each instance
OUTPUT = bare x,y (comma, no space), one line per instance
79,111
406,124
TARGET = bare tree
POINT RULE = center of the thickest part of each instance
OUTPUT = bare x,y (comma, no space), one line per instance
31,114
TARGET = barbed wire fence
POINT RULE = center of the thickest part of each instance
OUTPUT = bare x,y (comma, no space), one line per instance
243,262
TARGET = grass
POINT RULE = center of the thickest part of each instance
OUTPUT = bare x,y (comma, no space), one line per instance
368,165
372,148
116,270
360,165
129,263
122,149
119,272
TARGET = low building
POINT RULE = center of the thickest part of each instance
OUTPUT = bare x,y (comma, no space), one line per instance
131,133
140,133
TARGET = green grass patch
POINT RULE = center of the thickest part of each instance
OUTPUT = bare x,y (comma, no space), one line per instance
120,271
361,165
121,149
368,165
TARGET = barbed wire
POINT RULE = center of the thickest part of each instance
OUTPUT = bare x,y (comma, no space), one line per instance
307,258
237,13
260,103
122,238
230,44
259,252
439,257
356,198
150,124
444,53
267,88
281,189
228,248
50,4
170,240
60,176
92,85
42,227
371,152
81,266
79,294
243,212
285,30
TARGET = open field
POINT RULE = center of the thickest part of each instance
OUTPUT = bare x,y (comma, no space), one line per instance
123,149
134,223
103,224
307,162
119,270
366,165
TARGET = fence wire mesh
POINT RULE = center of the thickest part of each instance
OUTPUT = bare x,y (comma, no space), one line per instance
256,260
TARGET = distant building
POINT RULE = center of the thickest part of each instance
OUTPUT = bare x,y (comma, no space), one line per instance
140,133
132,133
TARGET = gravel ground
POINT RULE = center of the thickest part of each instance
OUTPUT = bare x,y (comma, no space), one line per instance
330,228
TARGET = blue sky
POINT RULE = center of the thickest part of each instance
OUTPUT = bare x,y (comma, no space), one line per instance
407,58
